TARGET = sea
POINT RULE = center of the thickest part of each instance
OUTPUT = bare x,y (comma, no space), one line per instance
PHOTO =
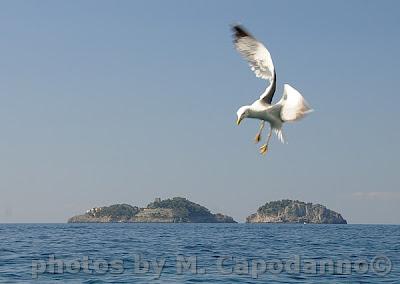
194,253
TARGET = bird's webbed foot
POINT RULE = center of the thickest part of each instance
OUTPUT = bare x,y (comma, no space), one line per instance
264,149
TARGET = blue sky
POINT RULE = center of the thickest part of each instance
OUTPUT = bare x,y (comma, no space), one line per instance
106,102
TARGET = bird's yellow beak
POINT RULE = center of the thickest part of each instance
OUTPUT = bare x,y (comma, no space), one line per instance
238,120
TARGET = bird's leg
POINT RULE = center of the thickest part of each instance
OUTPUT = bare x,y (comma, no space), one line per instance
258,136
264,148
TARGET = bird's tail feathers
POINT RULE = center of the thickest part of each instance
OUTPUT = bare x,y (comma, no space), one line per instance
279,133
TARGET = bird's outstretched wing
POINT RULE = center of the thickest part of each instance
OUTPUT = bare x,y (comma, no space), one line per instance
258,57
293,105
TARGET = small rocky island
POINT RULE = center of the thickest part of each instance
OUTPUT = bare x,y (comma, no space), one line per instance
294,211
174,210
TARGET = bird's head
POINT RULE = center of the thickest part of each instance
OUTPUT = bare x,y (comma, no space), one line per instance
242,113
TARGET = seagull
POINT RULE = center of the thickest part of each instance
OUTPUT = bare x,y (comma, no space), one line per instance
291,107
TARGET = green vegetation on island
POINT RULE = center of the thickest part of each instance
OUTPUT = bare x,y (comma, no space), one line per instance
294,211
174,210
188,211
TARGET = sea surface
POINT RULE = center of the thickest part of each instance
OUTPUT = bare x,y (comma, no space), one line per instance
192,253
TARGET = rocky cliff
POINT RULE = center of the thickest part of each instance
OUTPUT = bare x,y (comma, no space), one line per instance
175,210
294,211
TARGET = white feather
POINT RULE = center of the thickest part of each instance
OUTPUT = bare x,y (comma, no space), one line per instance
279,134
257,55
294,106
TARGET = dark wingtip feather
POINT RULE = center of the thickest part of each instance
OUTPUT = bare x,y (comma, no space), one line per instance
240,31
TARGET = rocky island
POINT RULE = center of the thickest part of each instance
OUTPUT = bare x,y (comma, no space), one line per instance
174,210
294,211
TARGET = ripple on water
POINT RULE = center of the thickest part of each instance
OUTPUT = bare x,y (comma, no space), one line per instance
22,243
